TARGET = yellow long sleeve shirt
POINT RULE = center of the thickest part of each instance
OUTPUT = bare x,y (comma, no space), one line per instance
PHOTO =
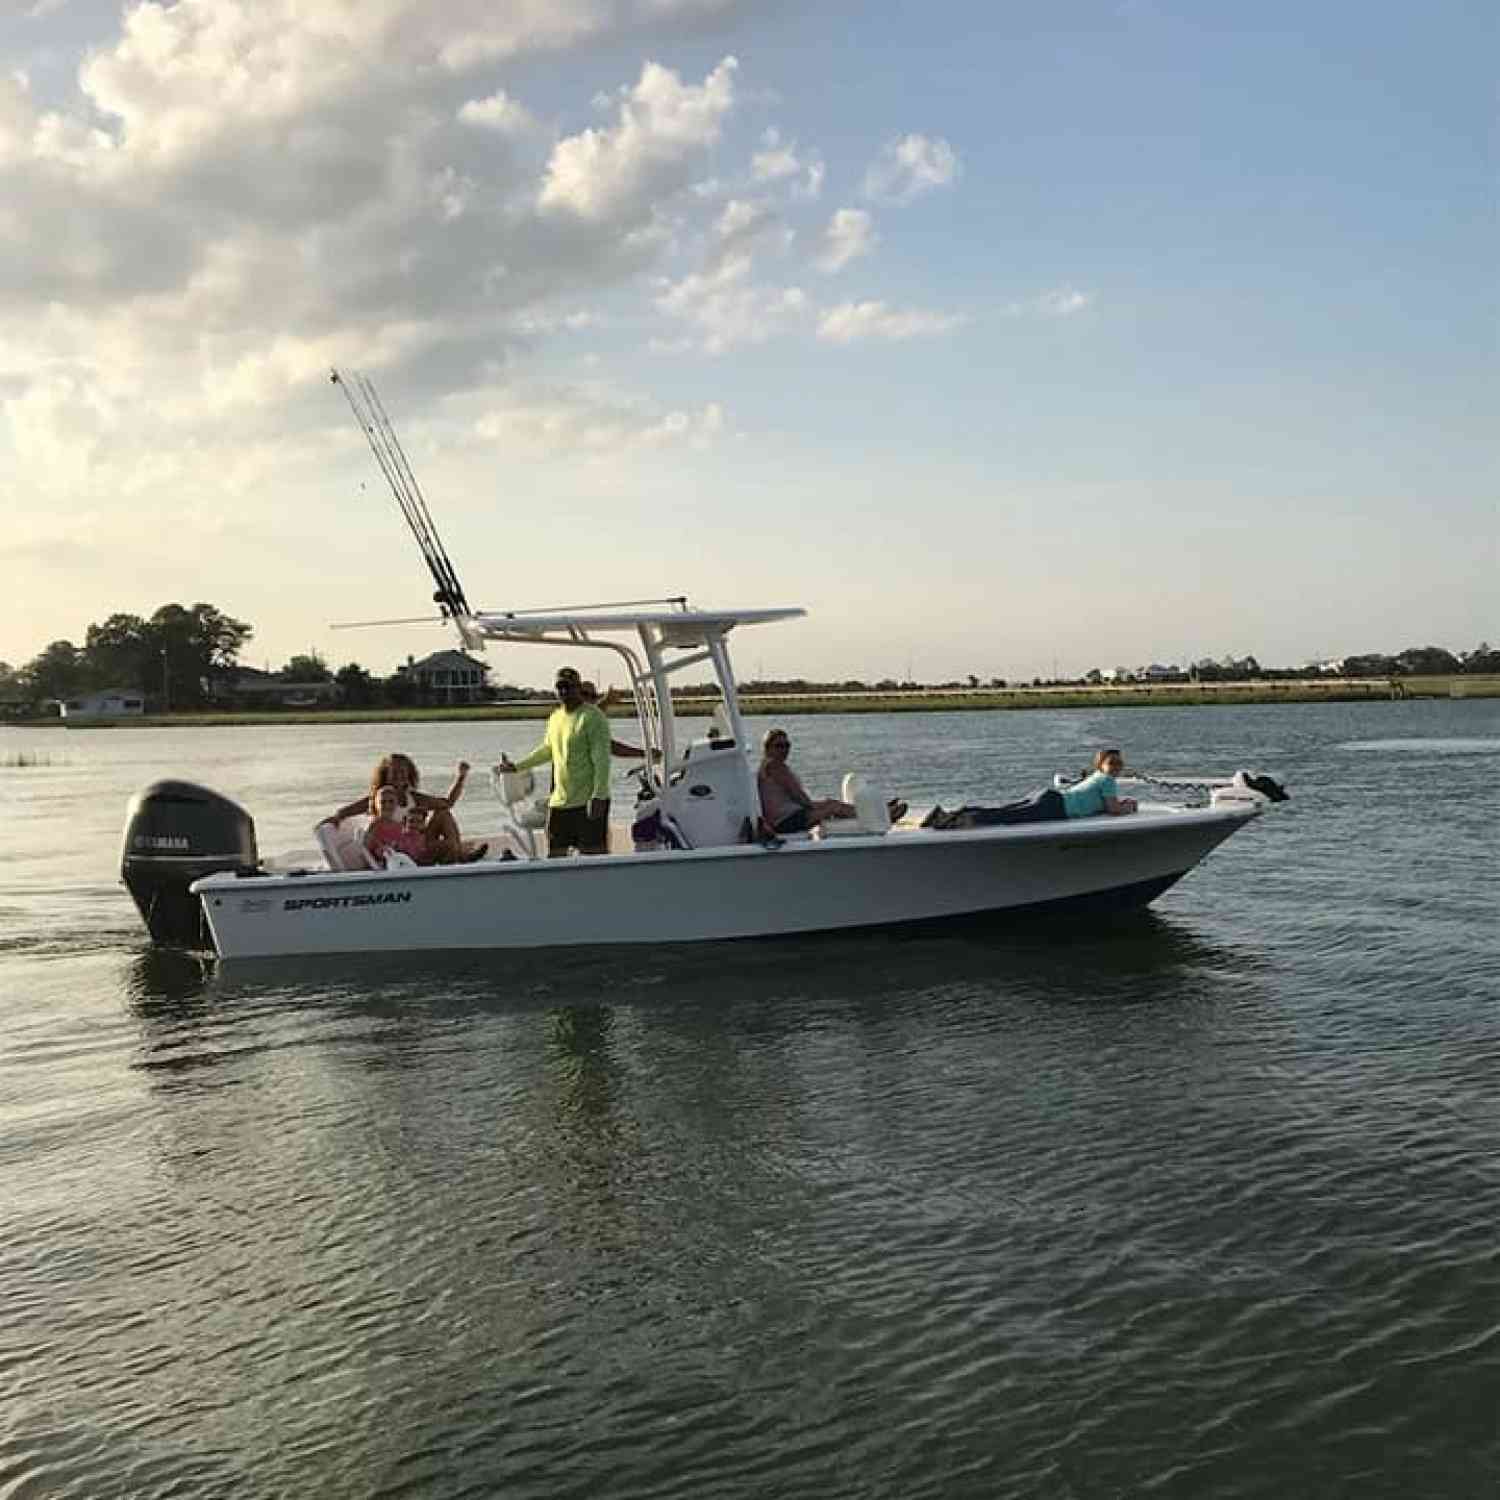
577,744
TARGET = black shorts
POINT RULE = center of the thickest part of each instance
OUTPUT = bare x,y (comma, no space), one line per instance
794,822
572,828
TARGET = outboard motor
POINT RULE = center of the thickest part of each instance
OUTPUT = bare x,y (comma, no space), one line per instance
176,833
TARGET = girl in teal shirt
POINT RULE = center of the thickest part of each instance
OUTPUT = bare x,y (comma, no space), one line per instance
1098,793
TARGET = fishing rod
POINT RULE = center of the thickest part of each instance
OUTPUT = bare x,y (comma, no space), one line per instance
364,401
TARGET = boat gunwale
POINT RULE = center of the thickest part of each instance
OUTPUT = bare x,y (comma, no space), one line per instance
1157,819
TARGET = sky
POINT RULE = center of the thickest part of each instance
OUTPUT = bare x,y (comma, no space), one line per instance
1008,339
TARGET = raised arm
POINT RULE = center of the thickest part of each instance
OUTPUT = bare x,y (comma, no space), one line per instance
349,810
454,792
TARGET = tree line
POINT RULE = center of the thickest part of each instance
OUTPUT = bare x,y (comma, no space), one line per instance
181,658
1414,661
188,658
177,656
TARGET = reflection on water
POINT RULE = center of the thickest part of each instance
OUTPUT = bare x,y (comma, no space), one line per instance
1138,958
163,983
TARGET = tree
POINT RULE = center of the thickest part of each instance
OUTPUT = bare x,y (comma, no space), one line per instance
177,653
56,672
119,653
207,643
1428,661
400,689
1483,658
307,667
356,686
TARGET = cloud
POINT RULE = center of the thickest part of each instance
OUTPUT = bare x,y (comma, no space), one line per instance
851,321
498,112
664,124
850,234
583,423
243,192
744,229
781,161
168,312
910,166
1062,302
726,308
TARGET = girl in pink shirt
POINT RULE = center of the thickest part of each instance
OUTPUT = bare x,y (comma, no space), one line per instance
388,831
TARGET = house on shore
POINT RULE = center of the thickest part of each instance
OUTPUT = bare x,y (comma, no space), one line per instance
103,705
447,677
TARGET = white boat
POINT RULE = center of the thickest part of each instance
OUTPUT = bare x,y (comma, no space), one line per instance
708,877
688,865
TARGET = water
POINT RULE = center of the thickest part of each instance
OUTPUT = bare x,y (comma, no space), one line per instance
1198,1203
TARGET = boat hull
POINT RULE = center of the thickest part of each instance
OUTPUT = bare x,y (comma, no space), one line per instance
750,891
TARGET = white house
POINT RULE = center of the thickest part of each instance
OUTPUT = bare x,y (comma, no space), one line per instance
107,703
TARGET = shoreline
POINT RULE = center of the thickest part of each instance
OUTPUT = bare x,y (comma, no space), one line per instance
1022,699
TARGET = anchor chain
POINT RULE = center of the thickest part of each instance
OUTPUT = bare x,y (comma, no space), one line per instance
1166,784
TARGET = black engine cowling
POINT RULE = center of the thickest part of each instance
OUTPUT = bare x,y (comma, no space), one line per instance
176,833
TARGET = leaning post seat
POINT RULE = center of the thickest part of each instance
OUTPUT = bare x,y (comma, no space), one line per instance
524,814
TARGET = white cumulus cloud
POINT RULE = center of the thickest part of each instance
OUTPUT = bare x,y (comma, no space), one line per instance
498,112
910,166
664,125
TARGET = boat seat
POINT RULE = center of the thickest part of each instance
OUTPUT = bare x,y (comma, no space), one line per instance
871,813
525,814
343,846
841,828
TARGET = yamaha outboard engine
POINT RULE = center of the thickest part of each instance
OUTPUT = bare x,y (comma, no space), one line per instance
176,833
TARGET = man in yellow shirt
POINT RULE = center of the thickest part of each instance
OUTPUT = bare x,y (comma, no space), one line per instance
577,743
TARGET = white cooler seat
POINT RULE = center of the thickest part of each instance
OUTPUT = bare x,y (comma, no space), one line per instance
343,846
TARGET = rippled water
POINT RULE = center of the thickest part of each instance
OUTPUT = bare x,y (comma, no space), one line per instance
1203,1202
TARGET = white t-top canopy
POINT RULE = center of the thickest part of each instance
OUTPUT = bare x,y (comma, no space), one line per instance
676,627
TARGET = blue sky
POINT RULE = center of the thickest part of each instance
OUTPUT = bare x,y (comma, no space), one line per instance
999,336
